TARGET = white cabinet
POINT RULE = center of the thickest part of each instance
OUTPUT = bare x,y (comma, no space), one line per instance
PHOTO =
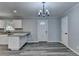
15,42
2,24
17,23
3,40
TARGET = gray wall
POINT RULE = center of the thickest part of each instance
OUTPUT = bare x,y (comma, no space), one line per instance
29,25
53,29
73,27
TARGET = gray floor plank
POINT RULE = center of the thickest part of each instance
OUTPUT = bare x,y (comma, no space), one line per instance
39,49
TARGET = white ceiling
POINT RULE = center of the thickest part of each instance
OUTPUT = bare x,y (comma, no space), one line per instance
31,9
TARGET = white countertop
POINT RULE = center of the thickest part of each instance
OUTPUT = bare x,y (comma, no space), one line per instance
16,34
20,34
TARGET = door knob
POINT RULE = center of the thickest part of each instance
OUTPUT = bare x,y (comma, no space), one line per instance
66,33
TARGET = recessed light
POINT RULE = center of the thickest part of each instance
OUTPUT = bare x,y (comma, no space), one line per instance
14,11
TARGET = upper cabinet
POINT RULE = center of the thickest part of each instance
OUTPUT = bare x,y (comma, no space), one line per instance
2,24
17,23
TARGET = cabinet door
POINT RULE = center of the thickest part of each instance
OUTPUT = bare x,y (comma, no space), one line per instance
2,23
3,39
17,23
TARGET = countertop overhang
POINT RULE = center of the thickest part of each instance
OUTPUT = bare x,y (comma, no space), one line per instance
15,33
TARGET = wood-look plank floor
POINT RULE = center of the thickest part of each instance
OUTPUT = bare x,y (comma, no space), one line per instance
39,49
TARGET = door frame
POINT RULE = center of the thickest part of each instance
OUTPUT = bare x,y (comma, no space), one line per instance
64,39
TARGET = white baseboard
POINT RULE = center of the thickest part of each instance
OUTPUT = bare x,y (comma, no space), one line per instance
53,41
71,49
32,41
38,41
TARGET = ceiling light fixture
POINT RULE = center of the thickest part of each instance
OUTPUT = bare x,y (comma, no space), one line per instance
14,11
43,12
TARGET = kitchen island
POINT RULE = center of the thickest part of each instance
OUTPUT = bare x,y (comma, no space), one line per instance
15,40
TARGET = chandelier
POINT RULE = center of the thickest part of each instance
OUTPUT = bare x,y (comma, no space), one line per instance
43,12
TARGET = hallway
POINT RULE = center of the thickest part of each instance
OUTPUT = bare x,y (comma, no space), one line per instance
39,49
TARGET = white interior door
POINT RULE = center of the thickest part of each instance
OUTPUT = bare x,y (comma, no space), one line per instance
42,30
64,28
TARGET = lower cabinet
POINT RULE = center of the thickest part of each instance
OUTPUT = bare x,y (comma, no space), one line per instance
3,40
16,42
13,42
